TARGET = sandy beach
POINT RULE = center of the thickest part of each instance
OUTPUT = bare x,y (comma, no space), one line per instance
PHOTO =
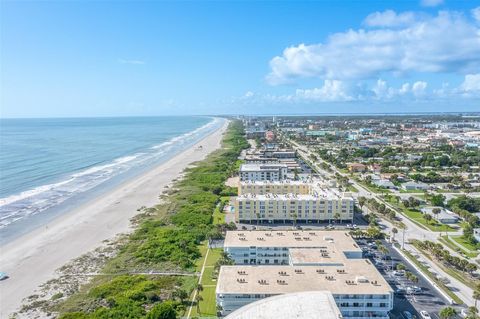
33,258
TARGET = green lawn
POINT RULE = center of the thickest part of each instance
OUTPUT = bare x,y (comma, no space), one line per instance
218,216
203,250
207,278
462,242
432,225
449,243
213,256
416,191
417,217
208,306
448,191
352,189
374,189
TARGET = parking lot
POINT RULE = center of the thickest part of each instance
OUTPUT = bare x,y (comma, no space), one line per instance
425,297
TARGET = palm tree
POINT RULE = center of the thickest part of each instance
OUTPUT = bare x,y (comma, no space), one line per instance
336,216
180,294
436,211
295,216
403,227
394,232
198,298
383,250
476,295
447,313
472,313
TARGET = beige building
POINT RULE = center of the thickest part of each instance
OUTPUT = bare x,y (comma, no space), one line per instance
276,187
304,208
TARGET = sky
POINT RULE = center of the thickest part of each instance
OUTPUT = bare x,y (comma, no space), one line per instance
149,58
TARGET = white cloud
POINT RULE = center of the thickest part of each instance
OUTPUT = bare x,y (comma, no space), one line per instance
389,18
137,62
471,83
331,91
431,3
476,13
418,88
351,91
448,43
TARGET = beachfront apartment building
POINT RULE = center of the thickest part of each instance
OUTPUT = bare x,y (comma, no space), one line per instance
274,187
272,263
285,247
263,172
286,208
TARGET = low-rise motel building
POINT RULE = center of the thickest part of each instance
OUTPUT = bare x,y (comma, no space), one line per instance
287,201
271,263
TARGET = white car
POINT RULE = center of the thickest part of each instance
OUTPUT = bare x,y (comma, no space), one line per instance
464,313
399,273
425,315
414,289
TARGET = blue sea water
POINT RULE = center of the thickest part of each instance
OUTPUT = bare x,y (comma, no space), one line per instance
47,163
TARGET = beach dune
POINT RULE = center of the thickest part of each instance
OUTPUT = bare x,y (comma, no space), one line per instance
33,258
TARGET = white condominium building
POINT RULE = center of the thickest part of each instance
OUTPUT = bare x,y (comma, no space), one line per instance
304,208
263,172
357,288
286,247
275,187
300,261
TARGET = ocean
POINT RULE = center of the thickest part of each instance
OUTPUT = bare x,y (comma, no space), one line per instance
48,166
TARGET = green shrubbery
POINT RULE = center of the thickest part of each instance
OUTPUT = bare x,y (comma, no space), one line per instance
166,239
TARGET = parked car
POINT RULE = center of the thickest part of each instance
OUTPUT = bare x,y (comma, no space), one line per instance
425,315
400,291
413,289
464,313
3,276
407,315
399,273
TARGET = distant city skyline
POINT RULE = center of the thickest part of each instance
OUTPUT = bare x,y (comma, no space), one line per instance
89,59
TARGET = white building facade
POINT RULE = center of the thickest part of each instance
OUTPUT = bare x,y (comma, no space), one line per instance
263,172
271,263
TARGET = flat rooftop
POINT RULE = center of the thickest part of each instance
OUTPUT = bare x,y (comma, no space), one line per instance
332,241
356,277
305,305
315,256
323,194
260,167
281,182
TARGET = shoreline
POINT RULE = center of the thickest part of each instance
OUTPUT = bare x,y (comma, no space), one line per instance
33,258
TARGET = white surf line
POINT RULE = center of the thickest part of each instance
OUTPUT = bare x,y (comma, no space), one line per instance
199,281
